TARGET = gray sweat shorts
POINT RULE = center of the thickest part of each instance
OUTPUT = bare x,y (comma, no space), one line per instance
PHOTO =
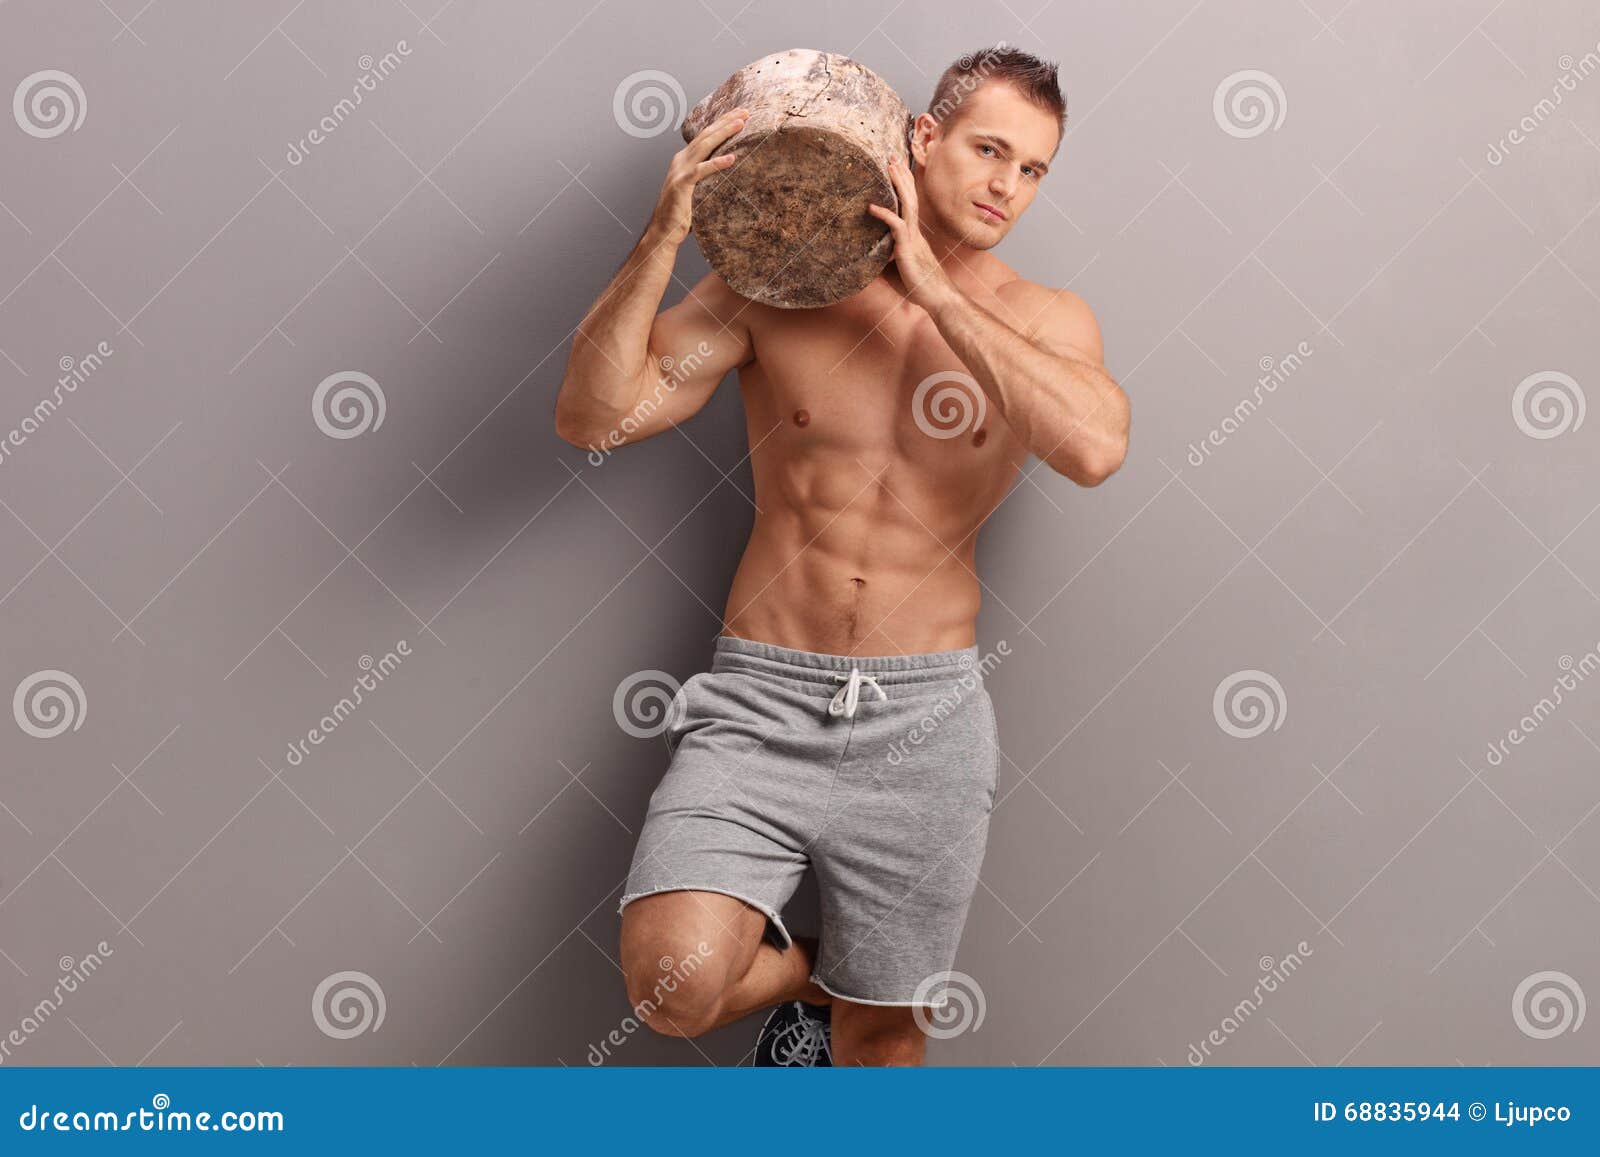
877,772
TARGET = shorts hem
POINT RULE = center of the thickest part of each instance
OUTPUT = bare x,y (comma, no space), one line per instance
770,913
836,994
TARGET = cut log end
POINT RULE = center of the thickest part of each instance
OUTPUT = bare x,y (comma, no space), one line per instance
788,224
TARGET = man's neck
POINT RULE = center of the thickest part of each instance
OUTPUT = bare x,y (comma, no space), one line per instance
960,262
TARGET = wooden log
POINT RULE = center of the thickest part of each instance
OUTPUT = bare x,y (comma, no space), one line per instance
788,223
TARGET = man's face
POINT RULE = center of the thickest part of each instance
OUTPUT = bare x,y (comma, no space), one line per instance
980,168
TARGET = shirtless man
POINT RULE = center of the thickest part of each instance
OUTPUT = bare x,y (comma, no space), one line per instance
850,625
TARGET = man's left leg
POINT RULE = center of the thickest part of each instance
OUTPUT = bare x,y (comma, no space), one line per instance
897,858
869,1034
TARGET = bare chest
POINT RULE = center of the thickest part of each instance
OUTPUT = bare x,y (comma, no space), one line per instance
873,378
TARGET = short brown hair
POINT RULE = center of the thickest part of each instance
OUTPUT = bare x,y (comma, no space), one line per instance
1034,78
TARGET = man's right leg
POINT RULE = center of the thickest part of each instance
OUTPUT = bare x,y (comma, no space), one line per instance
682,990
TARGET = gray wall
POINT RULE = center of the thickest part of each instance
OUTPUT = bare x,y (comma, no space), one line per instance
1398,535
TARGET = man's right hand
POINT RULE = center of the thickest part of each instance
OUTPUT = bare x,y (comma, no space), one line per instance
674,212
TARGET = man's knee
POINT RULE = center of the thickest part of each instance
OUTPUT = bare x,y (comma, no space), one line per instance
679,959
672,1005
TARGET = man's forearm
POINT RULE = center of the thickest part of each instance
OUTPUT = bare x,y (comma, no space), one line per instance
612,342
1067,411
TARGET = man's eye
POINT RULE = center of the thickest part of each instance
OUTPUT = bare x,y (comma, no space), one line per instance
986,149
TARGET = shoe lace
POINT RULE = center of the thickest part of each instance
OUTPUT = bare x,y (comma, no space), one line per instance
803,1041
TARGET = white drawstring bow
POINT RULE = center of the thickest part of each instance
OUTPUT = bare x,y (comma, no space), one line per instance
844,703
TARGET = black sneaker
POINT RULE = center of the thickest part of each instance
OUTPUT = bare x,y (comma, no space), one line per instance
796,1034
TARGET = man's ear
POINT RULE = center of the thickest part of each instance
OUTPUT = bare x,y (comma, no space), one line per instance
923,129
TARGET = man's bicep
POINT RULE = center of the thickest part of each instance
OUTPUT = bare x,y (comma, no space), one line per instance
691,348
703,336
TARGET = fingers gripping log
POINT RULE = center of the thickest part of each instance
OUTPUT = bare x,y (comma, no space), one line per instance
787,224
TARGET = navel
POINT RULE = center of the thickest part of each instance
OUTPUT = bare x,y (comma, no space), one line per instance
979,436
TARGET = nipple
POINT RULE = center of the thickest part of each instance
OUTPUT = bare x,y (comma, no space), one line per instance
979,436
801,417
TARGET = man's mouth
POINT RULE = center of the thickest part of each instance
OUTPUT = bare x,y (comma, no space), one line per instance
990,212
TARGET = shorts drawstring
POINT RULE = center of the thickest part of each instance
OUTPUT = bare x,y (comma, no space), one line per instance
844,703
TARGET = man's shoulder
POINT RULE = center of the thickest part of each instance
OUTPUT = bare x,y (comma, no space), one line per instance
1022,292
1043,312
719,298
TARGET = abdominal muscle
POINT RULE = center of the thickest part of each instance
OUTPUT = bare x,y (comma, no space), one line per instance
851,555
